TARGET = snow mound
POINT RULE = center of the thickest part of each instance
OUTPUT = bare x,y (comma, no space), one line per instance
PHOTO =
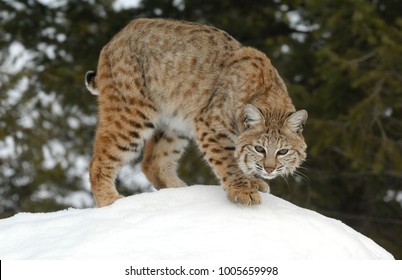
186,223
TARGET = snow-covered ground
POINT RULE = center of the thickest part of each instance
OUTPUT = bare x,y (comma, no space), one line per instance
196,223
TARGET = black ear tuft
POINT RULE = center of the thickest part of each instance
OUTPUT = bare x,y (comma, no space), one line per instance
89,76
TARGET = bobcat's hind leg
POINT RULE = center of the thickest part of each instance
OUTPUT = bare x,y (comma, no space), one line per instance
105,163
161,155
119,138
124,124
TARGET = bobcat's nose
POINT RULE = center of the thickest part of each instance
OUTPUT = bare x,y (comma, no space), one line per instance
269,169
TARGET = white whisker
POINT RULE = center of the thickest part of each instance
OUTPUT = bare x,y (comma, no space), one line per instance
302,176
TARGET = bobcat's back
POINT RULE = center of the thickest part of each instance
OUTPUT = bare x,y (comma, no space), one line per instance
180,61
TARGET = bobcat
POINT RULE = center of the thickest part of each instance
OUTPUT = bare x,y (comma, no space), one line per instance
163,82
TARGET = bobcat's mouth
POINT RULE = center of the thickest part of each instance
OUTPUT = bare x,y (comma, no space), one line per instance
267,177
260,173
270,176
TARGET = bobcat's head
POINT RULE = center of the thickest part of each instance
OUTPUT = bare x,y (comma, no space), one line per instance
271,147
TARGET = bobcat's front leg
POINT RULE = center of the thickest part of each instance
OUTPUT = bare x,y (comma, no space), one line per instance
245,190
218,147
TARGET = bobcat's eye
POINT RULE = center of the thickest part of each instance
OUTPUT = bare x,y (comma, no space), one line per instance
259,149
282,152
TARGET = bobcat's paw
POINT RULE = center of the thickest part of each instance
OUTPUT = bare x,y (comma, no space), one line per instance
105,201
244,195
260,185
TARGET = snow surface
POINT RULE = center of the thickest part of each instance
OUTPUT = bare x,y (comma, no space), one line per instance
186,223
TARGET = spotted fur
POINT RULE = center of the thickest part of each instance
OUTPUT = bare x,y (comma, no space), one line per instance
161,83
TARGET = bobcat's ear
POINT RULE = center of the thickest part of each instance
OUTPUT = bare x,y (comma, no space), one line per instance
296,121
252,116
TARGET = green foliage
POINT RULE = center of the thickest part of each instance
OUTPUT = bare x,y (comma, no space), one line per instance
341,60
354,129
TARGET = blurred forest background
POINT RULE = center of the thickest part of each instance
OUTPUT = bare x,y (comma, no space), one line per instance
342,61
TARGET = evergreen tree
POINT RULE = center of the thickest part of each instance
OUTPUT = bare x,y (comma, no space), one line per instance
353,94
47,118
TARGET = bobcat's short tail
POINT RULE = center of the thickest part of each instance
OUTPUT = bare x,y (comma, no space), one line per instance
90,82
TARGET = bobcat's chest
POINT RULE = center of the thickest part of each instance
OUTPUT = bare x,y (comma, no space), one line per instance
177,124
